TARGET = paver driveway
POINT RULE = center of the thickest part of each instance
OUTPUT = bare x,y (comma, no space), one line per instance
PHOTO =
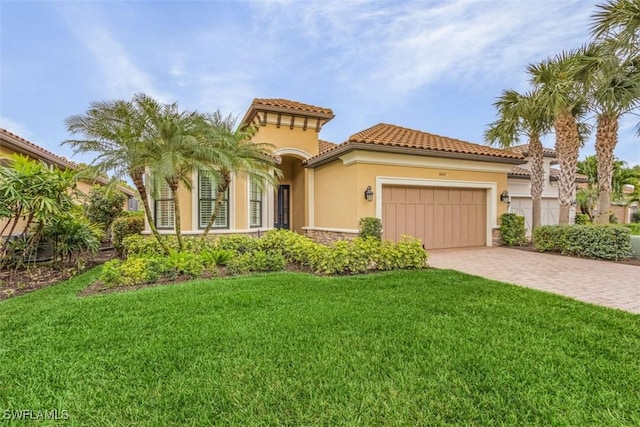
597,282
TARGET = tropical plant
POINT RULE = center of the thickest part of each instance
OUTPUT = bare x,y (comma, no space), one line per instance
32,195
103,205
618,21
621,175
560,82
231,151
117,132
613,85
523,115
73,235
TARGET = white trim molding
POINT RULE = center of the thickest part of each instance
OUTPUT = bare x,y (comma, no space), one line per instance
491,201
395,159
335,230
292,152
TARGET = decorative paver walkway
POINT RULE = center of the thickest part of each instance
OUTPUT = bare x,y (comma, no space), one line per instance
597,282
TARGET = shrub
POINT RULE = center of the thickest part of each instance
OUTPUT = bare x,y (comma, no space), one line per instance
635,217
370,227
104,205
136,245
613,219
134,271
123,226
512,230
239,243
73,235
582,219
294,247
185,263
258,261
593,241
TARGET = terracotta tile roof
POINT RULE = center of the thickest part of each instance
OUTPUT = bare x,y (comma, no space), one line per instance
324,146
34,150
524,150
391,135
518,172
291,105
555,173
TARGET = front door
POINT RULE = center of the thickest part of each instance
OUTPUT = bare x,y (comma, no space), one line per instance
282,207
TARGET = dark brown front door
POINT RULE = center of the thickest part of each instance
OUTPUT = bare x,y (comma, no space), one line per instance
282,207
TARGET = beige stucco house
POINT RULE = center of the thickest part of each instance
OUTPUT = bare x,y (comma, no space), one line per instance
11,143
442,190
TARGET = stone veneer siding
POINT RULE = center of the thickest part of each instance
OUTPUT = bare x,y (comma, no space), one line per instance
328,237
496,237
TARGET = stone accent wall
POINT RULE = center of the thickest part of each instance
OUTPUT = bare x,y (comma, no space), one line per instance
496,237
328,237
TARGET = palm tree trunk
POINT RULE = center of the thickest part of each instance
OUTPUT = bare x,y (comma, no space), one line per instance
222,189
568,150
138,181
536,154
606,140
173,185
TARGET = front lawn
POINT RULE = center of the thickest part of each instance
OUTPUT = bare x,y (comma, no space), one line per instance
398,348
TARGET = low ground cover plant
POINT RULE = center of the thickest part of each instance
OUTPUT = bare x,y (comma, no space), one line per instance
241,254
593,240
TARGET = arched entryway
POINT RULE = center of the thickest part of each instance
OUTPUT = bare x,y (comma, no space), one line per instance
289,198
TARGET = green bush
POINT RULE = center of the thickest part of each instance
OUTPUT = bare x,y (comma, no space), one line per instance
123,226
582,219
370,227
512,229
635,217
593,241
258,261
136,245
613,219
186,263
239,243
131,272
104,205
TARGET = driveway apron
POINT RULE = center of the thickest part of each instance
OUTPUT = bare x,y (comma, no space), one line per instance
597,282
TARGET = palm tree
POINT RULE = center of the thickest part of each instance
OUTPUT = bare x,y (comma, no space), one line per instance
174,139
233,152
619,22
614,90
523,115
115,130
561,91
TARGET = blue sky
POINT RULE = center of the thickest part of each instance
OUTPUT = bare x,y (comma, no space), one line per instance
431,65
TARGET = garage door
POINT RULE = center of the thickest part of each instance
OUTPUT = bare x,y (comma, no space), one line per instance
550,210
440,217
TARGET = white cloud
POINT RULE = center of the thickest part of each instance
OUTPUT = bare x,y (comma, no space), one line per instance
123,77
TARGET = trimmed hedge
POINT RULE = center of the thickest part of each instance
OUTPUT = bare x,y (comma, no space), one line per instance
593,241
512,230
123,226
272,252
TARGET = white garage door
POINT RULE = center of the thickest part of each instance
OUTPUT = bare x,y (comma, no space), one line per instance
549,215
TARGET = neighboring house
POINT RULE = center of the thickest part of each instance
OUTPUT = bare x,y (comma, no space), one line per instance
13,144
442,190
519,186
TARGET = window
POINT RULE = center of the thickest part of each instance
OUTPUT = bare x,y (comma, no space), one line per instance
255,204
207,193
164,211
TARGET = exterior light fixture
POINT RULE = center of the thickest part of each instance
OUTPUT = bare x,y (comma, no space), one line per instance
504,197
368,194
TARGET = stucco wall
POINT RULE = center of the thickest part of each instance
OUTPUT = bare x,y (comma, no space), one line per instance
339,189
284,137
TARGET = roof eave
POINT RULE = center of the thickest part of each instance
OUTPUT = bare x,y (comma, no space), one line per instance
350,146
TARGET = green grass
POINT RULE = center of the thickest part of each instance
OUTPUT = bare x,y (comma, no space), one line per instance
400,348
